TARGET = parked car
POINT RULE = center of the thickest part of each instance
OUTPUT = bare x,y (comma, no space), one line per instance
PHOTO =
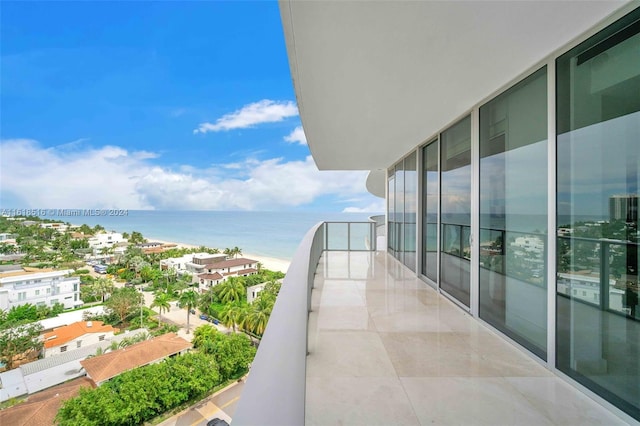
193,311
204,317
217,422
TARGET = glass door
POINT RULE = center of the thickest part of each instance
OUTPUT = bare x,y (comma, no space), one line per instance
455,211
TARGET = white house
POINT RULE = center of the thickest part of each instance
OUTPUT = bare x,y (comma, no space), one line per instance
77,335
254,291
213,274
193,263
40,288
107,239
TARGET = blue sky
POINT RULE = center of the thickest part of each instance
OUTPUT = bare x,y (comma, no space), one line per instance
156,105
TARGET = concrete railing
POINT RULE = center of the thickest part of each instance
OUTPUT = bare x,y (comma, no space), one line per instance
275,390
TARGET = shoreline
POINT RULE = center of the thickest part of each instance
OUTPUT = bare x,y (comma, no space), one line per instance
271,263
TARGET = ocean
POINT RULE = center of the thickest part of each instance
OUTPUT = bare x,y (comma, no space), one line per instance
269,234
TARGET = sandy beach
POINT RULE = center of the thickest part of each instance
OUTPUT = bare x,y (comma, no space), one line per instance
271,263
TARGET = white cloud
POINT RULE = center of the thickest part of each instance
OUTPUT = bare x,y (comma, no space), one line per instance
296,136
113,177
375,207
264,111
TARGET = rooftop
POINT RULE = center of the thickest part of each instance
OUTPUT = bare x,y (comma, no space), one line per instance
231,263
69,332
104,367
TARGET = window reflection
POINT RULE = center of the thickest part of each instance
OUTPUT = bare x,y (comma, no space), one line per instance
513,212
598,323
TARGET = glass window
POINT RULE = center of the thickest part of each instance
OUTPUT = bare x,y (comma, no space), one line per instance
598,318
391,213
455,204
513,212
399,208
430,211
410,206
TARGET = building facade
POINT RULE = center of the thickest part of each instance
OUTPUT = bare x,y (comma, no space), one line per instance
40,289
512,130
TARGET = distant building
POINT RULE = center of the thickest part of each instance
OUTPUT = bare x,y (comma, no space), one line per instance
58,226
193,263
108,239
624,207
254,291
40,288
232,268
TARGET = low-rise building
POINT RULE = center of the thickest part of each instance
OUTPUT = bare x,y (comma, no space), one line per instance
77,335
104,367
107,239
40,288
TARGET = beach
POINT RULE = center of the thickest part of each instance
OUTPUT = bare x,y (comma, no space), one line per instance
271,263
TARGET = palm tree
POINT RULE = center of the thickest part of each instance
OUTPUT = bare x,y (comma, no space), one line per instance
188,299
103,286
259,315
161,301
231,290
234,315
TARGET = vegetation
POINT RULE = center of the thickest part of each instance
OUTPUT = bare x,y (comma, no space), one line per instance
30,313
188,300
123,302
19,341
233,353
141,394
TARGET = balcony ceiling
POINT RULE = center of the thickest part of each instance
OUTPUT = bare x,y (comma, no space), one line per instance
373,79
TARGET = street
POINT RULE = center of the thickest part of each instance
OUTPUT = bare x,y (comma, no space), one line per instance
221,404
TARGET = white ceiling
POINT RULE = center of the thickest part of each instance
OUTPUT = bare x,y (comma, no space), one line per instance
373,79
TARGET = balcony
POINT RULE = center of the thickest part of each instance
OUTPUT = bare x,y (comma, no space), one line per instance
357,338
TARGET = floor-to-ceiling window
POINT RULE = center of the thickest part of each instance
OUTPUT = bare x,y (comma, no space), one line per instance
513,212
455,205
402,210
410,210
598,170
430,199
399,208
391,211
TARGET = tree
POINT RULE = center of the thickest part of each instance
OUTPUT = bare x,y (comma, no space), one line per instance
234,315
161,301
123,302
16,340
188,300
231,290
136,238
102,287
259,315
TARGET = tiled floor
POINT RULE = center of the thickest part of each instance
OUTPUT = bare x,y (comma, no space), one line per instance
386,349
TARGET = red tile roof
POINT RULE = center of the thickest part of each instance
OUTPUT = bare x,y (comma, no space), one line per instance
230,263
104,367
214,276
61,335
41,408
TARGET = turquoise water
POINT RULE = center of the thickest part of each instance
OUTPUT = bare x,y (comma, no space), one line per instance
271,234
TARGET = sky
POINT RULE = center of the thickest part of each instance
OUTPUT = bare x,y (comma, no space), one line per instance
156,105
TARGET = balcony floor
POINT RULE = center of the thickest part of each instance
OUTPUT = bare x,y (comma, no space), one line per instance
385,348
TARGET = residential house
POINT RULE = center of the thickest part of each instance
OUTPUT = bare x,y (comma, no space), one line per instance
75,336
105,240
104,367
218,271
40,288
